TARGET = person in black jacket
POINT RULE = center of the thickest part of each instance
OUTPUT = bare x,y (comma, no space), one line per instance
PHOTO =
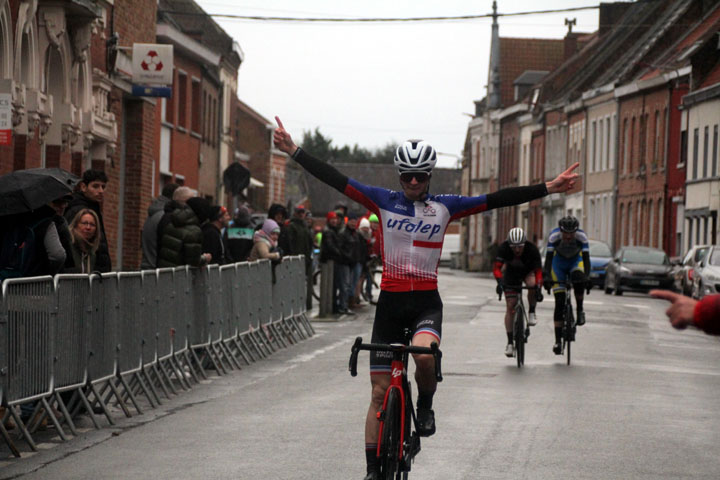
90,195
296,239
353,244
240,235
213,242
331,250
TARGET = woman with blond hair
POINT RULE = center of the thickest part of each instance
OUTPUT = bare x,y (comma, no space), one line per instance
85,241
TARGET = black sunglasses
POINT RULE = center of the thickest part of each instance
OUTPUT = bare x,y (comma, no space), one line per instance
421,177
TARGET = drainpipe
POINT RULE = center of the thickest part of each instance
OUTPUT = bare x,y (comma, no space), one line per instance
614,243
221,105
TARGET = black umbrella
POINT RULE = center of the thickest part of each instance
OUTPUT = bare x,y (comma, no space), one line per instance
26,190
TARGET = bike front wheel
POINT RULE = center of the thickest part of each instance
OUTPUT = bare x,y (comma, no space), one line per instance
389,459
569,333
519,337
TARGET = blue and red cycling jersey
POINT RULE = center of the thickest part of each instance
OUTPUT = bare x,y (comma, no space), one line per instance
413,231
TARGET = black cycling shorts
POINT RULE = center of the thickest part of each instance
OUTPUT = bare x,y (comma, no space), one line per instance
514,277
418,311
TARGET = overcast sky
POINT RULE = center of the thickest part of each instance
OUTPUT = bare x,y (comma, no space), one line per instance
376,83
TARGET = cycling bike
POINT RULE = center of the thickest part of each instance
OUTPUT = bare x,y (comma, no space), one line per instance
398,441
521,329
569,327
375,277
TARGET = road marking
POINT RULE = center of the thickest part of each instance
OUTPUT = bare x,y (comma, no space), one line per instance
461,297
309,356
590,302
634,305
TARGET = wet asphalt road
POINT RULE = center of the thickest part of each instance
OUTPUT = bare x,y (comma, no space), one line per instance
640,401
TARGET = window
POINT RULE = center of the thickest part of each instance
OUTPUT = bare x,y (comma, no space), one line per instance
606,156
631,227
714,172
195,114
593,141
696,144
182,100
651,224
656,147
682,161
170,109
632,145
706,142
626,145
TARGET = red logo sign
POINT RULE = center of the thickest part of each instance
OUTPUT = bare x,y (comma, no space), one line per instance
152,62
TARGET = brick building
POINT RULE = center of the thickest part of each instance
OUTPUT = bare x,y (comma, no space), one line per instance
267,165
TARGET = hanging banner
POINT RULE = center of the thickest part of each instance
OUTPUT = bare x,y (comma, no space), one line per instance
5,118
152,64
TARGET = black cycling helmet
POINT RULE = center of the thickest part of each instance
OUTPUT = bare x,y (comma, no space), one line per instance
569,224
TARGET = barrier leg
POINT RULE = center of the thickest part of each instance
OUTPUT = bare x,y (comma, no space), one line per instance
19,423
197,362
49,413
228,354
160,371
275,335
250,337
6,436
120,401
150,393
154,371
239,347
128,391
308,324
66,414
179,369
103,407
217,353
295,325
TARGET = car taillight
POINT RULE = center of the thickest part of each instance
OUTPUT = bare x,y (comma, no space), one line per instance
690,274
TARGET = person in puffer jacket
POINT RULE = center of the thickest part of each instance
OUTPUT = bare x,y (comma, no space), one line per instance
181,241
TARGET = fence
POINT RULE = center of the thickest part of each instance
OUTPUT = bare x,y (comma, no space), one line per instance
73,343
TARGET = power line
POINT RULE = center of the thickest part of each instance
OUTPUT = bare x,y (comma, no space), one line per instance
231,16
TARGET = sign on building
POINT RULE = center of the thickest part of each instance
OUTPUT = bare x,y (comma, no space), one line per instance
152,64
5,118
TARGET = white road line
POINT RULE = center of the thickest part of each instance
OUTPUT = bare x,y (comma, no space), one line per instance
634,305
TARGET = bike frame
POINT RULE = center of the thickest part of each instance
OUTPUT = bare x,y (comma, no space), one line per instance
399,382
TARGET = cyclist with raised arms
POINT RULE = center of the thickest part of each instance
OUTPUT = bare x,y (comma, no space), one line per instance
518,261
568,255
413,224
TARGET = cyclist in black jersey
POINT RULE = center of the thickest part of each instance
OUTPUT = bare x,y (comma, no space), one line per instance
517,261
413,224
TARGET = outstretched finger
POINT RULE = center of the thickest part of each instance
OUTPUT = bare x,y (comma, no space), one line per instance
665,295
279,122
572,167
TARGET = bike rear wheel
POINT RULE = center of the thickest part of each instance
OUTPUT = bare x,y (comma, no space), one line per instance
389,459
316,285
519,336
569,333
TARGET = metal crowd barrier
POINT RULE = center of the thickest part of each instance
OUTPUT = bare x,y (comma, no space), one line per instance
103,342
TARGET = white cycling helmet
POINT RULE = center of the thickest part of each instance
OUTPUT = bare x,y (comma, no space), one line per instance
516,236
415,156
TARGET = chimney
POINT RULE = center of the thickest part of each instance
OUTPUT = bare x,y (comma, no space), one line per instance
570,43
611,14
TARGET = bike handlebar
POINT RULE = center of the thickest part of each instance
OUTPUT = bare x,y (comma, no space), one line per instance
518,287
433,350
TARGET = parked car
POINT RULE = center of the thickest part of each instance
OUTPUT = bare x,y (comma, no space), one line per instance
638,269
706,274
600,256
683,275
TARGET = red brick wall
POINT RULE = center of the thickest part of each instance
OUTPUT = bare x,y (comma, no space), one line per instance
134,21
254,139
675,177
184,144
6,159
508,170
139,154
645,179
537,175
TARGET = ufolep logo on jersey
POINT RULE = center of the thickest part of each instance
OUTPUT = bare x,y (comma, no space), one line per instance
429,211
410,227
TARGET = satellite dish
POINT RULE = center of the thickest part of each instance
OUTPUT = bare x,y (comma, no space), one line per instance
236,178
